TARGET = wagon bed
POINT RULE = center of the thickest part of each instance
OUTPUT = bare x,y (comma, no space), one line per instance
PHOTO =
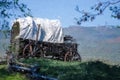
59,51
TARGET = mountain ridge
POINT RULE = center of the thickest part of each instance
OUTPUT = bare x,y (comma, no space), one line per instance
97,42
94,42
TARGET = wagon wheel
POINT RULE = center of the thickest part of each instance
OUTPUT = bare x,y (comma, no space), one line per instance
38,51
28,49
76,56
68,56
32,51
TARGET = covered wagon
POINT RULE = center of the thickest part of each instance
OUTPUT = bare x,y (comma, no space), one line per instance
42,38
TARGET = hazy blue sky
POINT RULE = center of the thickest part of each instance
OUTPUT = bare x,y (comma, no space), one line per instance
65,11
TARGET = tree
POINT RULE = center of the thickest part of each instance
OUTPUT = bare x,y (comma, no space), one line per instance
98,9
10,9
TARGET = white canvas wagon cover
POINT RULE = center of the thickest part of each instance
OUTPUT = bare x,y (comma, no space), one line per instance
50,30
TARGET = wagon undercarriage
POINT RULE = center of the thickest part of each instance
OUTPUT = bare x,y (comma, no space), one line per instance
59,51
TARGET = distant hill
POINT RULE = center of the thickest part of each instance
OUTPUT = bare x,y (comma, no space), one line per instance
94,42
97,42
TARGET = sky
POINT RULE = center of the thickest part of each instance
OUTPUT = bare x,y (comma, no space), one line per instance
64,10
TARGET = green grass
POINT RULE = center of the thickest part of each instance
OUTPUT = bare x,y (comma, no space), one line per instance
91,70
5,75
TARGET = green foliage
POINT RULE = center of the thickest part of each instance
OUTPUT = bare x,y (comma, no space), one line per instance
5,75
92,70
10,9
99,9
115,11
